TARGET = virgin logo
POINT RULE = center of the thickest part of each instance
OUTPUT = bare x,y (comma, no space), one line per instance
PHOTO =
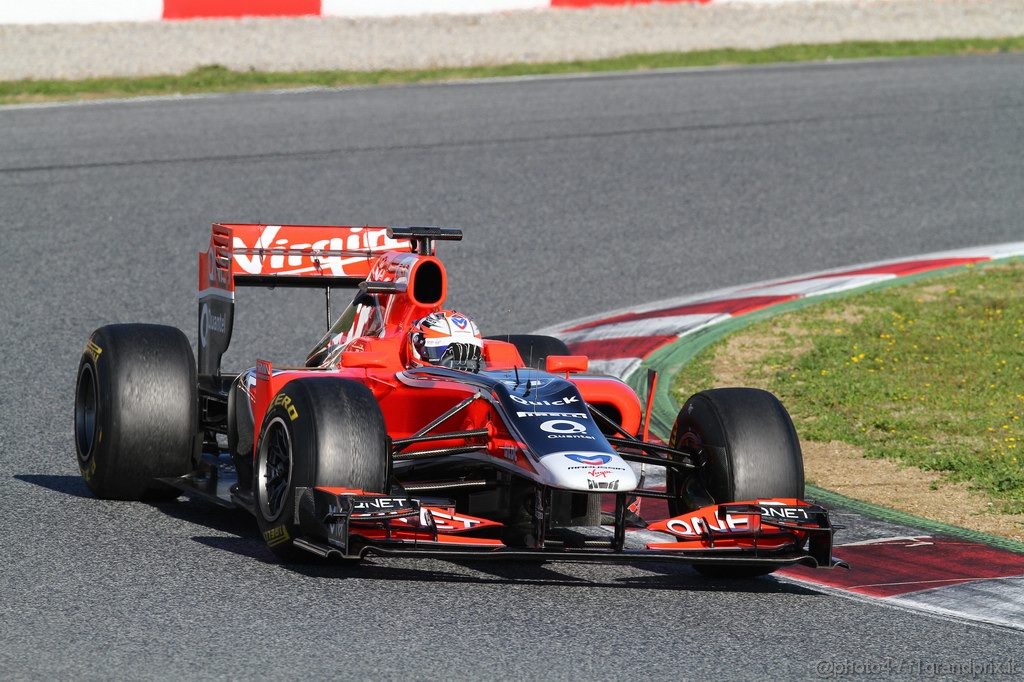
342,251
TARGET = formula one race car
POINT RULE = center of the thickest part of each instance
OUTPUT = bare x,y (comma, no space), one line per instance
408,434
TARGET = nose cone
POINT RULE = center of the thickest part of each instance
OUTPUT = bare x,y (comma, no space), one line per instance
589,471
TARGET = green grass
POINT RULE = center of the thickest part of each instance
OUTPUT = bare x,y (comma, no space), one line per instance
220,79
931,374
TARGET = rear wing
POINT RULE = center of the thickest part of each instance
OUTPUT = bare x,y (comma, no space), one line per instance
292,255
320,256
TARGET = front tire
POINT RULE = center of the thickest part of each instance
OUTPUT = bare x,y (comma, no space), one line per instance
753,453
319,431
136,418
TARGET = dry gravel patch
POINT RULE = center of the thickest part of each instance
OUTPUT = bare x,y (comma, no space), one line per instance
842,468
122,49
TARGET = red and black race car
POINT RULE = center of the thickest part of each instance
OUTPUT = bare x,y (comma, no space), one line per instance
368,449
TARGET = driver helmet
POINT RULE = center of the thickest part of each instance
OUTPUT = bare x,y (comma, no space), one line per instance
448,339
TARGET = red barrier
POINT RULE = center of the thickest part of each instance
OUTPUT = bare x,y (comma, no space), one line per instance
200,9
596,3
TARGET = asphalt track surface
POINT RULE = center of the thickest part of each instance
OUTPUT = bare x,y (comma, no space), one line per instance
577,196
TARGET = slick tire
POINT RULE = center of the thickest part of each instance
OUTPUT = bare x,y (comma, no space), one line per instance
754,453
534,349
136,418
318,431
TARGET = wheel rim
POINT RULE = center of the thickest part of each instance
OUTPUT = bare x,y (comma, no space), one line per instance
274,469
86,414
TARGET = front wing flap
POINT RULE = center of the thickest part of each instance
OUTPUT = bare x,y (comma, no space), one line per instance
344,521
349,523
754,528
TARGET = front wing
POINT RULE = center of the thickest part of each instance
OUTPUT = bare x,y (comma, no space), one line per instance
350,524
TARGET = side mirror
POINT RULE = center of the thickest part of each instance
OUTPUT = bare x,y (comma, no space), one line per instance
566,363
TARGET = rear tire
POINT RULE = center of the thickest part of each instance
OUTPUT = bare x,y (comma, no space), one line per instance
136,418
755,453
533,348
319,431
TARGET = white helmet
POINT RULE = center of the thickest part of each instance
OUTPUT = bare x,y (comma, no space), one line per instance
447,338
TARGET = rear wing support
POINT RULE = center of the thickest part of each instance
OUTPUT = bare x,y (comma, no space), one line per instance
423,238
